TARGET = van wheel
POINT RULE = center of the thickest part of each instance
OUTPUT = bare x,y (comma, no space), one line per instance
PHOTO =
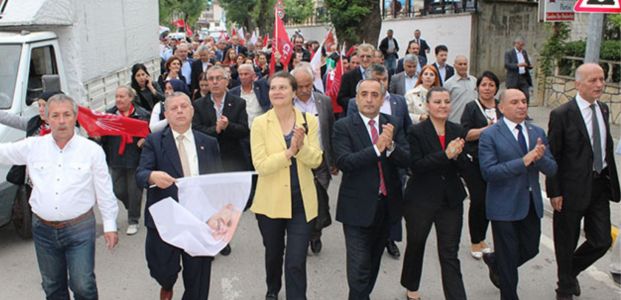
22,213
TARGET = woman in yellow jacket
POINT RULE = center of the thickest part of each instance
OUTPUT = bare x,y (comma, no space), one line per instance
285,149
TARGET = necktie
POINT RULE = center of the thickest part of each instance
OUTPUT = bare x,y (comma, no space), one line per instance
374,137
598,163
521,139
183,156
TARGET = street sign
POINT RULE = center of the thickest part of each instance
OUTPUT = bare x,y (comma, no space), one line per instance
598,6
558,10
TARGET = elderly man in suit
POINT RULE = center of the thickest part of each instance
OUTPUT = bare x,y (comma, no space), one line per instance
369,148
350,79
199,66
177,151
512,152
406,80
518,65
581,143
254,91
308,101
393,105
424,47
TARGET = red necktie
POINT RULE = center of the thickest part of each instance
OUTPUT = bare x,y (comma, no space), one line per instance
374,137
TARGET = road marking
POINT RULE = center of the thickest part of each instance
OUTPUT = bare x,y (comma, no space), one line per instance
591,271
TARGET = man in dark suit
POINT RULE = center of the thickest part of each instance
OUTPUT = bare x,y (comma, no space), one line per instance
351,78
199,66
581,143
390,49
239,49
511,155
320,106
445,70
424,47
518,65
369,149
177,151
223,116
404,81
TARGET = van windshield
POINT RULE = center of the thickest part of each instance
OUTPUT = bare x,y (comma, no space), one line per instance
8,73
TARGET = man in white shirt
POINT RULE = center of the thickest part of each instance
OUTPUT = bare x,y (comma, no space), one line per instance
518,65
69,175
442,68
462,87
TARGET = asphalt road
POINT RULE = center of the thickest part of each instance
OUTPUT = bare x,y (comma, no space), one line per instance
123,273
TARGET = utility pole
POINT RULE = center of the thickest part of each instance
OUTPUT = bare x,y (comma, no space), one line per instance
594,37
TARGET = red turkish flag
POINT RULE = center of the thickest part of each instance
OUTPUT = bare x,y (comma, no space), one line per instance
104,124
333,85
281,42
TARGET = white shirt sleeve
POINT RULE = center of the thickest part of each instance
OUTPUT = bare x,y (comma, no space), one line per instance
106,201
15,153
155,124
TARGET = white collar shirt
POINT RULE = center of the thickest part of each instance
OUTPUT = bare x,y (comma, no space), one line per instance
521,60
587,116
511,125
190,149
386,109
410,82
310,106
253,107
68,182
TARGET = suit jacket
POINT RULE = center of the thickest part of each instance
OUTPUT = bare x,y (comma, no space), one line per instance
423,48
422,60
357,159
383,46
434,180
273,194
513,75
243,50
205,118
326,126
348,87
510,184
261,90
397,84
197,69
450,71
398,107
160,154
571,146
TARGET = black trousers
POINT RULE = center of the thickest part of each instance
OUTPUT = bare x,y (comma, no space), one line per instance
477,221
297,231
448,223
323,219
515,243
566,226
364,247
163,261
126,190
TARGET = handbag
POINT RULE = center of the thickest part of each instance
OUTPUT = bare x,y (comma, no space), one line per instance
16,175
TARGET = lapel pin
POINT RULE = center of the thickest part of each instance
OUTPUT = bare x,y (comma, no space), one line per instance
202,147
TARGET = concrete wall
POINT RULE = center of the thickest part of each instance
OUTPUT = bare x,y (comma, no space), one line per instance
454,31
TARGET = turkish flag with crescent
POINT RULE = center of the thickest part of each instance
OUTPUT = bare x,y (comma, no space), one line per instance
281,42
333,85
103,124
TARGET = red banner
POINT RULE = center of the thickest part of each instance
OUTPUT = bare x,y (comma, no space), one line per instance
281,42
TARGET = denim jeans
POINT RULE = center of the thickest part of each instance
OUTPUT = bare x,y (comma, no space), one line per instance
66,255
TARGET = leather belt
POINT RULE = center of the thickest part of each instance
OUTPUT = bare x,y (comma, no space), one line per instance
63,224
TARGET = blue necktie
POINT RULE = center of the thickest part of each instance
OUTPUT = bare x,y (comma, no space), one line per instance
521,139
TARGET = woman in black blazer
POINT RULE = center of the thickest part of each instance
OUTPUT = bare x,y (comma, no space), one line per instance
434,196
478,115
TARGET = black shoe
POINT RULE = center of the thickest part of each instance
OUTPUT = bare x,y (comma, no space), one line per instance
564,297
316,245
576,290
271,296
226,250
489,258
616,277
392,249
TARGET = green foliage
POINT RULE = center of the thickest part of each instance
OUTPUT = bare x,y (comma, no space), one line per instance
297,11
188,10
615,20
610,50
550,52
351,18
240,12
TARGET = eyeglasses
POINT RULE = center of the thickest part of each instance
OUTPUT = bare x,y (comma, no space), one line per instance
216,78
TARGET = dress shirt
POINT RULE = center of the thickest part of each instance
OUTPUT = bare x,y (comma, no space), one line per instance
205,66
253,108
391,46
587,116
186,70
377,124
442,71
521,60
463,91
410,82
363,72
217,107
514,130
190,149
310,106
386,109
66,183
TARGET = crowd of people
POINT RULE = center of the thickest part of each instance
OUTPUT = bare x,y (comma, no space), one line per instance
413,141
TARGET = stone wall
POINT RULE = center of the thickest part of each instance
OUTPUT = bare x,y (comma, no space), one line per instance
560,89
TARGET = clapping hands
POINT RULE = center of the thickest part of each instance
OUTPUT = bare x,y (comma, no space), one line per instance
454,148
535,154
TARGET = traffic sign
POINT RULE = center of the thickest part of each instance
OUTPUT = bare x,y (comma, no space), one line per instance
598,6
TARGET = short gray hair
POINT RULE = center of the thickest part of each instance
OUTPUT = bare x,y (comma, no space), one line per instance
202,48
130,91
246,66
219,68
375,69
410,58
304,67
382,87
61,98
175,95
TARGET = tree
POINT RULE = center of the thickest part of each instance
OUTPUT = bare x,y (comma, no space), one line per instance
240,12
355,21
298,11
188,10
